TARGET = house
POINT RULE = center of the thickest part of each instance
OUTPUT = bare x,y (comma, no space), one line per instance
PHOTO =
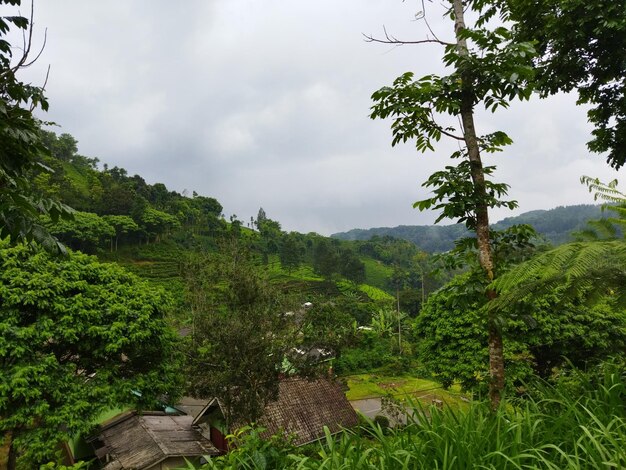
302,410
150,441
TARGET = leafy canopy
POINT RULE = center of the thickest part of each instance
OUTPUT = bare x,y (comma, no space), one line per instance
77,337
21,146
581,46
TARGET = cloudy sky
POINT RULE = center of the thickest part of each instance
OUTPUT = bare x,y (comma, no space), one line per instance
265,103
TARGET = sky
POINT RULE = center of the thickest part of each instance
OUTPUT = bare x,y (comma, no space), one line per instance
266,104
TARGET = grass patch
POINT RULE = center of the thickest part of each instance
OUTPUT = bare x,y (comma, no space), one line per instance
376,273
363,386
375,293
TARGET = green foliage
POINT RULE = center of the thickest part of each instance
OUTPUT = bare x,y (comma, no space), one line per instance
539,330
330,258
123,225
157,223
455,194
291,251
376,273
376,294
77,337
615,202
509,247
557,427
239,333
500,71
249,451
325,259
55,466
86,231
21,147
351,267
582,46
327,326
371,351
590,268
270,233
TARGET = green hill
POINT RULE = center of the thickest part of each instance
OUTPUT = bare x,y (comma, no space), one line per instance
556,225
155,233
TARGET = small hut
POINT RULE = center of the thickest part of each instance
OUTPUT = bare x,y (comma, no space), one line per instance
150,441
302,410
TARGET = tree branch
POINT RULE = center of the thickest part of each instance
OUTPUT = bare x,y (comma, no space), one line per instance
393,40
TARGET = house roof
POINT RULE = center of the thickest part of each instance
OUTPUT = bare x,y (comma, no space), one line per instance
135,441
304,407
301,411
192,406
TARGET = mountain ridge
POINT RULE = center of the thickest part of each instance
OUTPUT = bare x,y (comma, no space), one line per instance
555,224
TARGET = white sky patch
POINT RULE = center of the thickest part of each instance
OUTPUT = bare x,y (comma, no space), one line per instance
267,104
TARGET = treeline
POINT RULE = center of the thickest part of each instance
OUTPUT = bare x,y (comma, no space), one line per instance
114,208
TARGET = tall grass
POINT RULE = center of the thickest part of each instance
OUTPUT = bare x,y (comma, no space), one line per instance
577,426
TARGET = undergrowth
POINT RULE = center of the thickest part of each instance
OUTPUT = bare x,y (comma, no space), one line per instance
577,424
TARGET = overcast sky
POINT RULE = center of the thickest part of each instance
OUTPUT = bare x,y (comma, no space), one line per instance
266,103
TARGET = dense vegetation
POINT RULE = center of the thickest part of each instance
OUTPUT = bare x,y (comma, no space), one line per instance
140,293
578,423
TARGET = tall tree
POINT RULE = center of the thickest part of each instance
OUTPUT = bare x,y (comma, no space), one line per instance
582,47
325,258
350,266
21,146
87,232
260,218
123,226
77,338
489,69
291,251
239,337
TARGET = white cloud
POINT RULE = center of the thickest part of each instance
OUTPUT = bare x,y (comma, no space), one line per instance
267,103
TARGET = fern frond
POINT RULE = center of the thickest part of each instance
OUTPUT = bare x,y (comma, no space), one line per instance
605,191
582,267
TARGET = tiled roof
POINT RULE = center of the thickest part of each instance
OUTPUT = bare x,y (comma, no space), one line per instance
303,409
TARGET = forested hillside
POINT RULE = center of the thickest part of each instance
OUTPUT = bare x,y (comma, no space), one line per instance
139,328
158,233
556,225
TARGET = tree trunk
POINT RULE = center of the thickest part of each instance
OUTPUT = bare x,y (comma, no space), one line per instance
496,351
399,324
12,457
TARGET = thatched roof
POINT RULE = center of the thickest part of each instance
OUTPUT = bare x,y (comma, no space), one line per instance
134,441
